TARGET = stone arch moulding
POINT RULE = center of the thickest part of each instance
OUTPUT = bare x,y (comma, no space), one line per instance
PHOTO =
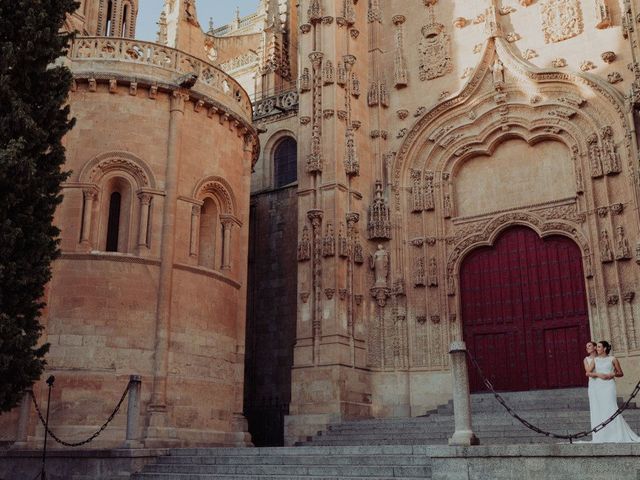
221,189
108,162
545,102
497,225
269,150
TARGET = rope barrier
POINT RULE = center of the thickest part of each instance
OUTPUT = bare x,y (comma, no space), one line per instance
530,426
94,435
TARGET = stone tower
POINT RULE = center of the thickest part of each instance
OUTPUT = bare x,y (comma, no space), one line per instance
111,18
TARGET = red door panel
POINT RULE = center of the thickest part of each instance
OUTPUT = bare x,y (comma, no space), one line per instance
524,311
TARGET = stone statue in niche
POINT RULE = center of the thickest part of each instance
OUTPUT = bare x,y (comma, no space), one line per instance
343,246
623,251
595,162
379,263
429,203
435,52
605,247
329,242
419,272
498,75
610,157
432,273
561,19
304,247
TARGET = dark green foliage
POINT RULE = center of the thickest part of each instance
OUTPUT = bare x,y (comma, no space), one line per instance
33,120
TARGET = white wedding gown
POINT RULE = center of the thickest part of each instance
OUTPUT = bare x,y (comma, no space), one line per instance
603,404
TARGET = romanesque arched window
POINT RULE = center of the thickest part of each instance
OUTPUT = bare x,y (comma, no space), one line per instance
113,222
116,214
285,160
209,254
212,222
117,201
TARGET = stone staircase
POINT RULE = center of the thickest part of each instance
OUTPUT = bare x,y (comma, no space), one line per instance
398,448
292,463
559,411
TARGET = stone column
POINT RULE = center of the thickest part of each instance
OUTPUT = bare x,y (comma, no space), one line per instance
158,431
195,231
133,413
23,422
145,202
227,225
89,195
463,436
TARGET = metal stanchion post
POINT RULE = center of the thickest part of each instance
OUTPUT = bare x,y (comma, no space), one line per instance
43,474
133,413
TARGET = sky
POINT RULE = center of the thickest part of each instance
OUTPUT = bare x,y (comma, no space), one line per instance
222,11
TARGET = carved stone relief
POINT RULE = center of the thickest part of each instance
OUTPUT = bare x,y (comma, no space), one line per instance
623,251
561,20
435,52
304,246
379,224
610,157
606,254
595,161
329,241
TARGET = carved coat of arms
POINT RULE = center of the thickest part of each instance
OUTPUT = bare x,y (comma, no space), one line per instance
435,52
561,19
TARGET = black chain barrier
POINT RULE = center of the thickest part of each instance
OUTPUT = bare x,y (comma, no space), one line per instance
572,436
92,437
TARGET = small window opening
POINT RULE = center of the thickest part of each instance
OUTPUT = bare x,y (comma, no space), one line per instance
113,224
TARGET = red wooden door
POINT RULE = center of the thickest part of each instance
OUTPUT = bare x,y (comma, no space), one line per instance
524,312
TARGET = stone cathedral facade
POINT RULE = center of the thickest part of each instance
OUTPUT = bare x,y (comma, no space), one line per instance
427,171
465,170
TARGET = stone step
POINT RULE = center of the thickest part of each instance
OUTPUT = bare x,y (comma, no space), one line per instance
294,470
318,463
188,476
364,459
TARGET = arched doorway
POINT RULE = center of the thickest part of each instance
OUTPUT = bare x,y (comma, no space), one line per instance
524,311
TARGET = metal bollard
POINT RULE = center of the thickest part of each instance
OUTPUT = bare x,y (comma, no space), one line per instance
463,436
23,421
133,413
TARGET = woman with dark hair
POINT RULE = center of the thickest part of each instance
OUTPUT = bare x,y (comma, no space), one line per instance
603,399
588,367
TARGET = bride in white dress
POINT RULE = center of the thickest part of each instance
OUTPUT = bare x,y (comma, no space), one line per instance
601,370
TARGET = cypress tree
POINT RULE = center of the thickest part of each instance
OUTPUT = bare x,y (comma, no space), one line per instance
33,119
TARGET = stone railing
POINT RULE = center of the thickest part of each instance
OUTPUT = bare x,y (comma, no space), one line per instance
107,49
283,102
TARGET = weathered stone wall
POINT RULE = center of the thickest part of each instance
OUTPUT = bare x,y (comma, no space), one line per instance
177,155
271,312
